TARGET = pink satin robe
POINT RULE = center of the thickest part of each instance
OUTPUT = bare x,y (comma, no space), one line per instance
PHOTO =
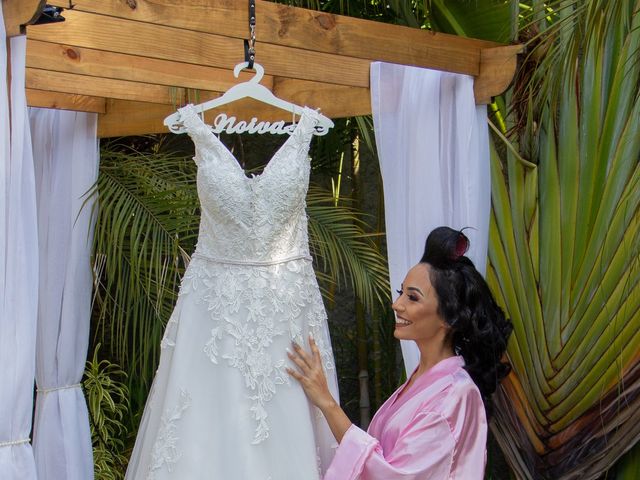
435,430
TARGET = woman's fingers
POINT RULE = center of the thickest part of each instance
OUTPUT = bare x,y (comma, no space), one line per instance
315,350
310,373
307,363
308,359
299,361
294,374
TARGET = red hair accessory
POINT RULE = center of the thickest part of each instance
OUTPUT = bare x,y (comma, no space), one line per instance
462,245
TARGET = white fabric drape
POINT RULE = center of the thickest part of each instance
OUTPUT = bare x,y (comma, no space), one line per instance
432,142
65,155
18,268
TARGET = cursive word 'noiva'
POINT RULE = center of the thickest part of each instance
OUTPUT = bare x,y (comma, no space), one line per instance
222,123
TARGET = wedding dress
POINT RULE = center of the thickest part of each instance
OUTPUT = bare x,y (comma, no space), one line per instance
222,406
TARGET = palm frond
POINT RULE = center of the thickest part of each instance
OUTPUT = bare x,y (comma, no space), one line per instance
565,251
344,250
148,216
490,20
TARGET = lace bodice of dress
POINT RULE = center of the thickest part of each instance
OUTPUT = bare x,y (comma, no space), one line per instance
252,219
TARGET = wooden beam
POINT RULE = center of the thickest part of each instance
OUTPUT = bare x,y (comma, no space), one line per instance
125,118
333,97
19,13
303,29
497,68
65,101
99,63
106,87
116,35
335,101
107,65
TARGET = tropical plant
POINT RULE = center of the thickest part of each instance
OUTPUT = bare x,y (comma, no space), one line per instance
565,242
108,401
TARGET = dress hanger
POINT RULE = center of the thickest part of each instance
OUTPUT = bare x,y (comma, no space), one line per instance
249,89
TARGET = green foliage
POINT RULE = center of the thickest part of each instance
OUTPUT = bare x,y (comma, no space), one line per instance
487,20
565,237
147,221
108,403
343,250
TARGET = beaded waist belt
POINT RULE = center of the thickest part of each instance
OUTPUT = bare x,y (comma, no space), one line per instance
252,263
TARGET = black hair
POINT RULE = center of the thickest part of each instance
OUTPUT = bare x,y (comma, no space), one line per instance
479,328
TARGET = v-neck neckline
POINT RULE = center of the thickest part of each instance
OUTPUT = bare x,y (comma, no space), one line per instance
234,160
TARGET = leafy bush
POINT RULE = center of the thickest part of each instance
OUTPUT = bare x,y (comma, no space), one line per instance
108,401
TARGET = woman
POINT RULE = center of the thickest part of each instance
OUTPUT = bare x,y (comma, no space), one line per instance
434,426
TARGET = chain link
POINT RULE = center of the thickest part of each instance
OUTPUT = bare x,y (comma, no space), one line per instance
251,50
252,40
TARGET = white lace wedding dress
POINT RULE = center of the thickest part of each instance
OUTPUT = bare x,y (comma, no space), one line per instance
222,406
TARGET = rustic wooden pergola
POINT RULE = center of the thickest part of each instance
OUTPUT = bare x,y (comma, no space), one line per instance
134,61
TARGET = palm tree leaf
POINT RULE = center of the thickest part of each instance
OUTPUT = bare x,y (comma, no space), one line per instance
581,127
337,236
488,20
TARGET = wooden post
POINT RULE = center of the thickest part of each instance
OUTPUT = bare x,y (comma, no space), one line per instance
19,13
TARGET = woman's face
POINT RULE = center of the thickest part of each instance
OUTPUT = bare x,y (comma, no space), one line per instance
416,309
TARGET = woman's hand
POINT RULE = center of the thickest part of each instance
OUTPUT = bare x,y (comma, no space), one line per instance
310,374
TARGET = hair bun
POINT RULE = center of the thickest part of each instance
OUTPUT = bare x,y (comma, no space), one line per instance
444,245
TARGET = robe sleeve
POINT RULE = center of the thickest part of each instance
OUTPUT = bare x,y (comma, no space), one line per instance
423,450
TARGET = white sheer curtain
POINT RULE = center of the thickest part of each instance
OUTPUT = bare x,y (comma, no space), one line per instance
65,155
18,268
433,146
